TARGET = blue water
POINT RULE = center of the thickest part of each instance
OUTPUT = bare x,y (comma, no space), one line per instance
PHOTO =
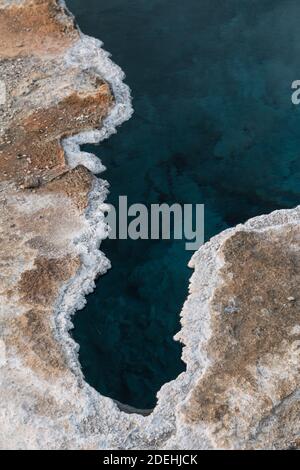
213,124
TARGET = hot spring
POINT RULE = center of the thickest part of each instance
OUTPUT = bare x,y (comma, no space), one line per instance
213,124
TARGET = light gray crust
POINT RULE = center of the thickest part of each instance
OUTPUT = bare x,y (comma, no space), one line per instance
45,402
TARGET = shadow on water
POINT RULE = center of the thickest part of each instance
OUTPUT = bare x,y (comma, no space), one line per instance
213,124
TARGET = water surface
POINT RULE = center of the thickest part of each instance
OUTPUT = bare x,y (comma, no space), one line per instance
214,124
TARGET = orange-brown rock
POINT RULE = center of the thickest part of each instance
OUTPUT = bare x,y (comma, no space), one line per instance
35,118
254,346
35,27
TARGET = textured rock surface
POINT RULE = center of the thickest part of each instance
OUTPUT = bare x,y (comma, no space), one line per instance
245,290
240,323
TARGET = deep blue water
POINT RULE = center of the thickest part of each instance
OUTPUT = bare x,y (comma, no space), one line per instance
214,124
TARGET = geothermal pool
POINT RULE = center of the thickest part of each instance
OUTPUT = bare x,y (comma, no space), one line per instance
213,124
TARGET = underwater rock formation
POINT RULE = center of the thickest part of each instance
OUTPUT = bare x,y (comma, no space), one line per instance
240,323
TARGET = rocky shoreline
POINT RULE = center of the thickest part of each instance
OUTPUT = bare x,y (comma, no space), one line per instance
240,323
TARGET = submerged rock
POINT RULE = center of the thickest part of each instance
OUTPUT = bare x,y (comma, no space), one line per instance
240,323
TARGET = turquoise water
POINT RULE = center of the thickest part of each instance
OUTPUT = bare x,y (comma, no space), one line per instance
213,124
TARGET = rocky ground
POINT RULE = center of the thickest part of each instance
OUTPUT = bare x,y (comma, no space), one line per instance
240,323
